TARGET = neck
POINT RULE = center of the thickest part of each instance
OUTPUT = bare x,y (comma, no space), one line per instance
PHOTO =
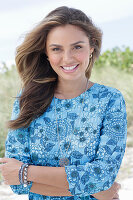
70,89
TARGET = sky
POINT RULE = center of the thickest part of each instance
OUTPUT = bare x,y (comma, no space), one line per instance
17,17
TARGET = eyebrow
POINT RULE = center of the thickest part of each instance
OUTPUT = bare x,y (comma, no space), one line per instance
71,44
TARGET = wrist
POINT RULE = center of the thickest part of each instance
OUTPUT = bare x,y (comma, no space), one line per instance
36,174
30,172
23,172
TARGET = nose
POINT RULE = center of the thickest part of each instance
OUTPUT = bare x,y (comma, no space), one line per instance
67,57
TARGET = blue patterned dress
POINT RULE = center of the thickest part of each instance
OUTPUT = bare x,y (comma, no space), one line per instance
96,130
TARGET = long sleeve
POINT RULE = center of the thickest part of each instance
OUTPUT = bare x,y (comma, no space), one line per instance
17,146
100,174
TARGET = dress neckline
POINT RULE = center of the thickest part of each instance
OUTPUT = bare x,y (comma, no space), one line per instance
89,89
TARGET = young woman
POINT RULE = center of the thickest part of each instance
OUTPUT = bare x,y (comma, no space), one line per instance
69,131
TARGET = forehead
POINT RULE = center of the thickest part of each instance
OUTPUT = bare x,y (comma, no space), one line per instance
66,33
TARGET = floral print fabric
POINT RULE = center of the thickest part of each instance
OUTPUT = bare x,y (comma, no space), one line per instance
92,136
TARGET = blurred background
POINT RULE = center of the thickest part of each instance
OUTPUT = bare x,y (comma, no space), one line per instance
114,67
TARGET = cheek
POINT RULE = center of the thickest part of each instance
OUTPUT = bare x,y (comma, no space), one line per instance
54,60
83,57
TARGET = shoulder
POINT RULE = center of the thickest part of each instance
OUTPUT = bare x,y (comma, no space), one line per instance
106,97
104,90
112,98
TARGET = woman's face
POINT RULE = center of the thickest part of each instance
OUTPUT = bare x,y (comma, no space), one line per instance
68,51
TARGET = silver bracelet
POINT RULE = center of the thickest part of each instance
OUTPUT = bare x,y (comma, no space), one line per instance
25,182
23,174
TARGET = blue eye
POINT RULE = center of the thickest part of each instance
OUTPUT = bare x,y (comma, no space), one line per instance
78,47
56,49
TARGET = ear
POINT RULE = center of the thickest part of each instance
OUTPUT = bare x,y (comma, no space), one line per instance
91,50
46,55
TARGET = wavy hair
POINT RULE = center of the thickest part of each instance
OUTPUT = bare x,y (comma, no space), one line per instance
38,78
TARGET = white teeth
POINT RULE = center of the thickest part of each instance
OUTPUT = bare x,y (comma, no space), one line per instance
69,68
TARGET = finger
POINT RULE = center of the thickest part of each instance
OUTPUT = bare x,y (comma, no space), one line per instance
3,179
116,186
4,160
6,183
1,166
116,196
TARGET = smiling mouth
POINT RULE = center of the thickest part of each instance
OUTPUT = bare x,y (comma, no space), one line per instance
70,68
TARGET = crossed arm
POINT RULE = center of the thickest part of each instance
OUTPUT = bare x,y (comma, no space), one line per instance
56,184
48,181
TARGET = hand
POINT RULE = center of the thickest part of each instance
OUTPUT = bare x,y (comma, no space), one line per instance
110,194
116,196
10,170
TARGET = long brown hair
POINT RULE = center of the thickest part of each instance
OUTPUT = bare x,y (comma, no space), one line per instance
38,78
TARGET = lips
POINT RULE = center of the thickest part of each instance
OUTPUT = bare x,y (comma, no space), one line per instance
69,68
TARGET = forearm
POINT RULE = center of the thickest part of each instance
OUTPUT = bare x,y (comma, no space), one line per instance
52,176
52,181
49,190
